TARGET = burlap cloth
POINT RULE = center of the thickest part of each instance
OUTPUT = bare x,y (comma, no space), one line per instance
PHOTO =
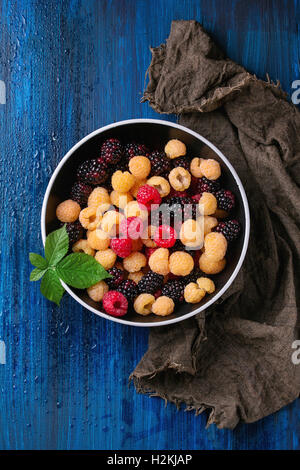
237,361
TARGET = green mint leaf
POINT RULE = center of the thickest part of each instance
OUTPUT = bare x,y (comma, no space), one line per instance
38,261
36,274
80,270
56,246
51,287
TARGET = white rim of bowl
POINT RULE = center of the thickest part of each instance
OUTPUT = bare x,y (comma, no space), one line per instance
233,172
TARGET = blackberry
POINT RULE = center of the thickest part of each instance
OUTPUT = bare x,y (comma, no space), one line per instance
225,199
230,229
150,283
80,193
174,289
92,172
133,149
181,208
160,164
117,277
112,151
75,231
182,161
128,289
192,277
205,185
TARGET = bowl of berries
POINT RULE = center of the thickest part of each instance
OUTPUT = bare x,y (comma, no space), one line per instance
161,209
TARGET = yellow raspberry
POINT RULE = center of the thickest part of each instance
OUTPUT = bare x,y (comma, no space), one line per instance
163,306
159,261
209,266
137,244
97,239
68,211
110,222
180,263
193,293
209,223
136,277
207,284
143,304
210,169
195,167
140,167
175,148
88,218
148,236
180,178
136,187
161,184
133,209
120,199
134,262
191,233
122,182
97,291
215,245
106,258
82,246
98,196
207,204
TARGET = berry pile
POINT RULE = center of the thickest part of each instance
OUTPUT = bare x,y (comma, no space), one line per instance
158,221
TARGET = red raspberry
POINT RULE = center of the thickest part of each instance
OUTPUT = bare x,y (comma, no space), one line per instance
197,197
121,246
149,251
115,303
165,236
132,227
147,196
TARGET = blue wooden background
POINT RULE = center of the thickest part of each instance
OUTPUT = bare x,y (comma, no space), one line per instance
70,67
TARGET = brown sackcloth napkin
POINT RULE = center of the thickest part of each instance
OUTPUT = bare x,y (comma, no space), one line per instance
237,361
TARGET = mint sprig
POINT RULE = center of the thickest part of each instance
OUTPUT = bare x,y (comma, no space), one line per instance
77,269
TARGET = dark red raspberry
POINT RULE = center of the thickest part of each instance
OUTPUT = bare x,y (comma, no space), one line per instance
115,303
128,289
230,229
165,236
132,227
121,246
133,149
197,197
207,186
150,283
225,199
159,163
174,289
92,172
117,277
184,162
148,196
157,293
80,193
112,151
149,251
174,193
75,231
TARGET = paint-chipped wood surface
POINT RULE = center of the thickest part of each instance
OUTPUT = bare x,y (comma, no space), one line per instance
69,67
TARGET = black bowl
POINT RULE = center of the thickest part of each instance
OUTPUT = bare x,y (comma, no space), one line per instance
154,133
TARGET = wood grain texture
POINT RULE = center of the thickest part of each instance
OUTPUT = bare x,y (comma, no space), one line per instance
70,67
